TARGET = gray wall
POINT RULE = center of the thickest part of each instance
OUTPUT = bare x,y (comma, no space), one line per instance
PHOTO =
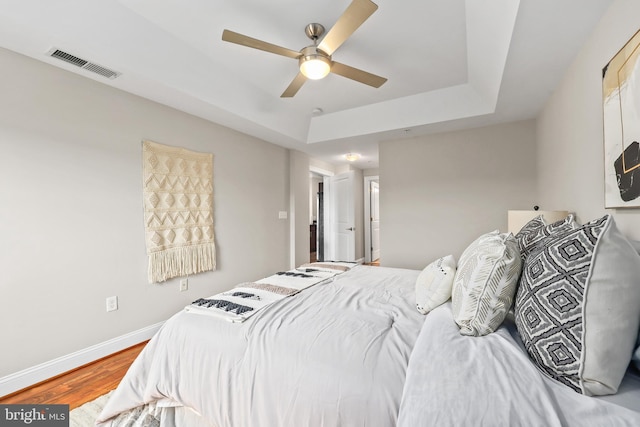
71,219
570,146
299,207
439,192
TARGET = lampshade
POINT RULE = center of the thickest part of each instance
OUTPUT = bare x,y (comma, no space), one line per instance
518,219
314,66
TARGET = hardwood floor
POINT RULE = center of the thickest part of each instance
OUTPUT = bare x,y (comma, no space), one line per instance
81,385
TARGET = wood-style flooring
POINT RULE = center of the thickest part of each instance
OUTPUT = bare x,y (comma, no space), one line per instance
81,385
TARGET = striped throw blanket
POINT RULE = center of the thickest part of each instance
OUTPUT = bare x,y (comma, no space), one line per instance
246,299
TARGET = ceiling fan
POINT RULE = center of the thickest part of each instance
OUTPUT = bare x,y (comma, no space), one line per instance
315,60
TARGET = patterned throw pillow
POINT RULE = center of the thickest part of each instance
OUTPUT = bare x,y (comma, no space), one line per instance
433,286
537,229
485,283
578,306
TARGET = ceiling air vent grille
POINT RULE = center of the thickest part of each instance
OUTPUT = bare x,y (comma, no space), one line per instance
83,63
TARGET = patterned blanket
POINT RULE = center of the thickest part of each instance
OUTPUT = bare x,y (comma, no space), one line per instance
246,299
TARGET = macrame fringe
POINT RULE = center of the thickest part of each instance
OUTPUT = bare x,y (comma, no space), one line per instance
181,261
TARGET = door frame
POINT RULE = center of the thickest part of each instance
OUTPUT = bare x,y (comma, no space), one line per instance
323,173
367,215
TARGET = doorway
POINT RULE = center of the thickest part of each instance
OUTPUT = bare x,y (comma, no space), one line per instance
372,219
316,222
332,219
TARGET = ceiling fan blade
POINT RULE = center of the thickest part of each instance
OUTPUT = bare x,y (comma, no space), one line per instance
237,38
294,87
357,12
357,75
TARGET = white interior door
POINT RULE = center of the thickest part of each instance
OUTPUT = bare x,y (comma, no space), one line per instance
375,220
340,242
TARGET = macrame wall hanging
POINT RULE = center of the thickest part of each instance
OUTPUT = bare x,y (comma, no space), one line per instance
178,211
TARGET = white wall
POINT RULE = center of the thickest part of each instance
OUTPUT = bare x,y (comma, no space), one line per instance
71,219
358,206
299,207
439,192
571,154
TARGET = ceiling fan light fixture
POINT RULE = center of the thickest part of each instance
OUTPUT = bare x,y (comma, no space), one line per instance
314,61
315,66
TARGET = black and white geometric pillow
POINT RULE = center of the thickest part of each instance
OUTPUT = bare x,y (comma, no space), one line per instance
578,306
537,230
529,231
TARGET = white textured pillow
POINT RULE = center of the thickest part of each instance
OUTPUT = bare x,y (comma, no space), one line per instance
485,283
578,306
433,286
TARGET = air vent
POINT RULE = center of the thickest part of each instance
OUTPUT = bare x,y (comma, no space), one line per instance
83,63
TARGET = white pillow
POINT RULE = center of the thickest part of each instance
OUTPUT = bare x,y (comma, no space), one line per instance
485,283
433,286
636,353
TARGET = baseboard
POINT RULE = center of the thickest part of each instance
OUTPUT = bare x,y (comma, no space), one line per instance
36,374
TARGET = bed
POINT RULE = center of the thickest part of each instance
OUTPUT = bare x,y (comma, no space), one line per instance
353,350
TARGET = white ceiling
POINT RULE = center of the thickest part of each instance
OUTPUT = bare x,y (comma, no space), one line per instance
450,64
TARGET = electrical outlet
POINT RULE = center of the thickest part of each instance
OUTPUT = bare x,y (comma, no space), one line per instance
112,303
184,285
282,215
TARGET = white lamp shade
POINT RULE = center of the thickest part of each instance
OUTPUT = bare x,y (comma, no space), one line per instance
315,67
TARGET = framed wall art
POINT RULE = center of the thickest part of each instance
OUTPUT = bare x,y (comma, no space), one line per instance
621,113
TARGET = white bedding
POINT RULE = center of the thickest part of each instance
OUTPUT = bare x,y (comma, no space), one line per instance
456,380
350,352
333,355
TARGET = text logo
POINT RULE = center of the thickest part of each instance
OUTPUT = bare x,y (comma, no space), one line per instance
34,415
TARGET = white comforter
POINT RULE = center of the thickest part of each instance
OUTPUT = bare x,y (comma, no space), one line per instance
455,380
333,355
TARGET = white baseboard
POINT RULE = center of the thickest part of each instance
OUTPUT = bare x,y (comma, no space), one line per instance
30,376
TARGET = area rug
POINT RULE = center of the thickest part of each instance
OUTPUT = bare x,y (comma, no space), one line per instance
86,415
